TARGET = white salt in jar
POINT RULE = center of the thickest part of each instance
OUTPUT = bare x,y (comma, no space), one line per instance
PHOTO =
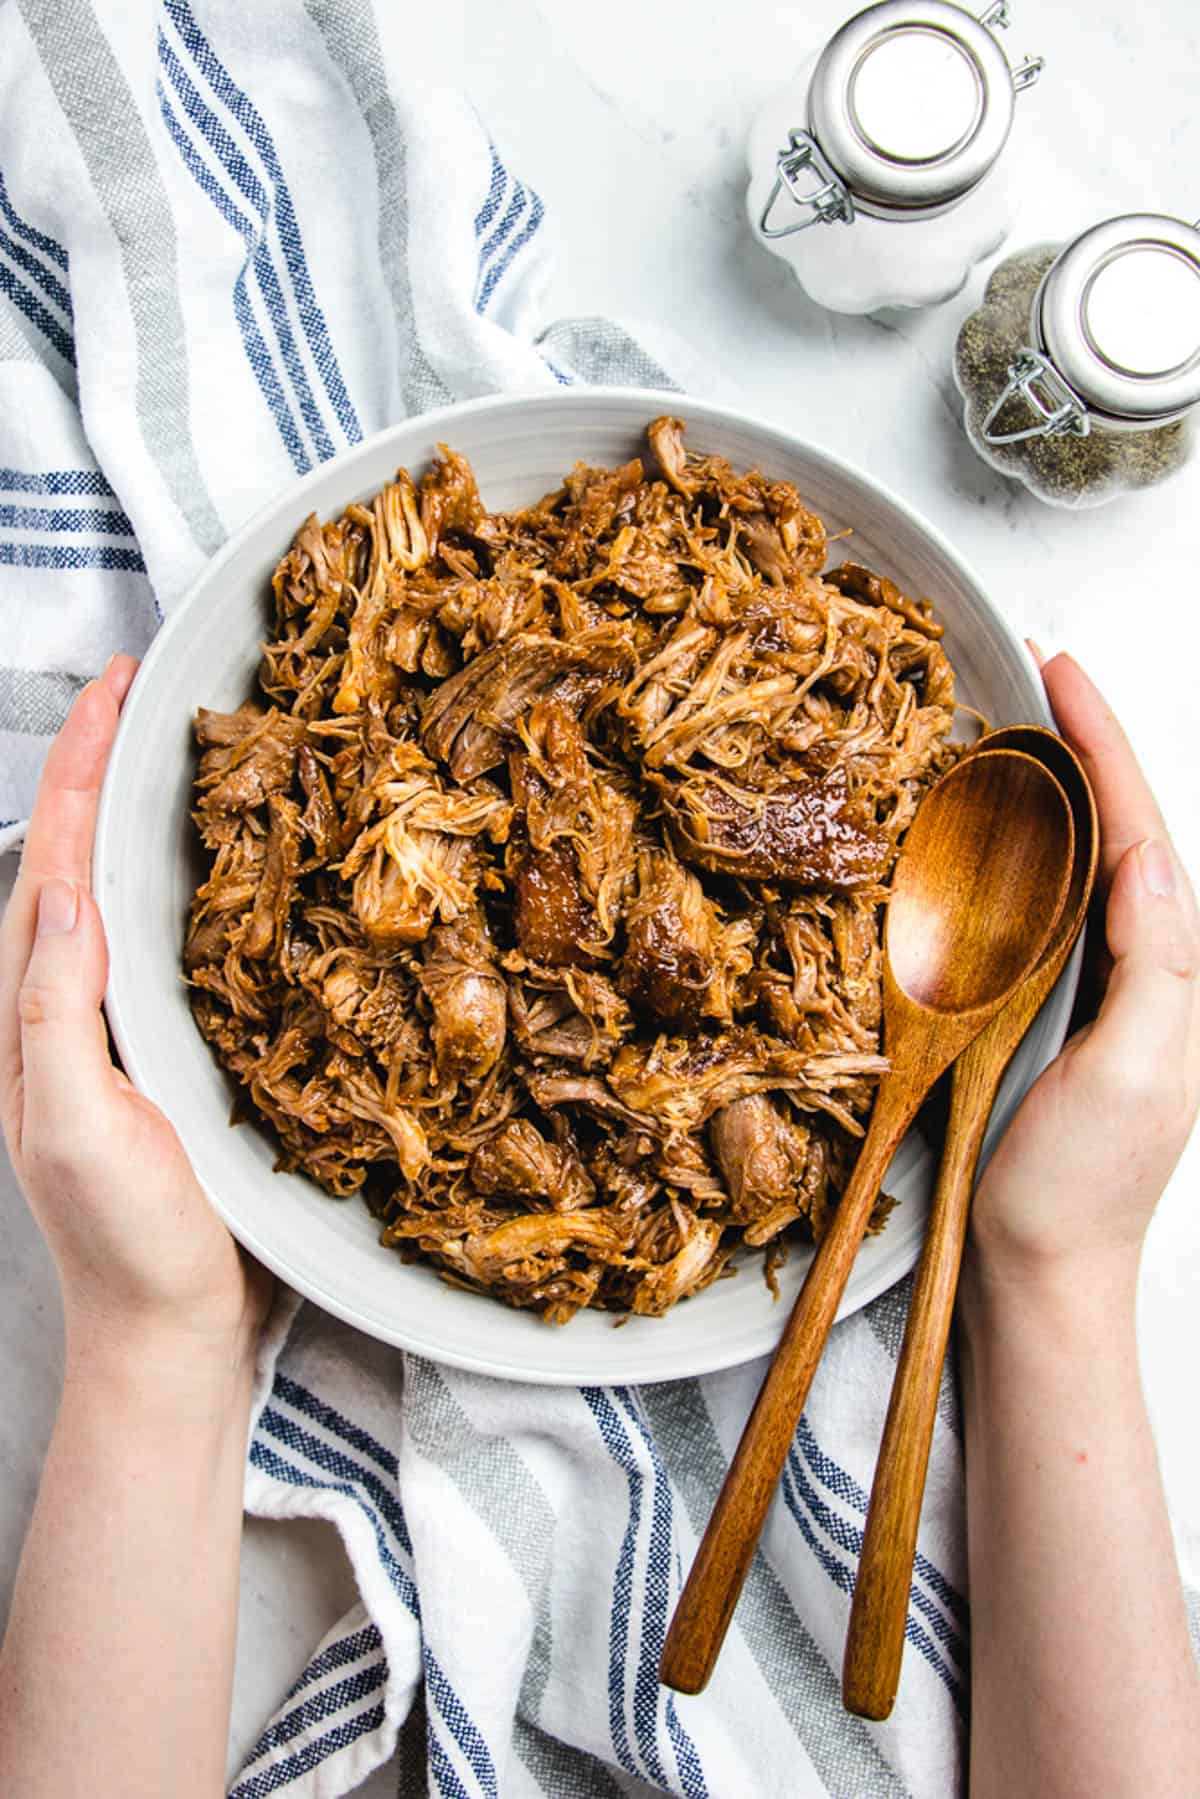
882,172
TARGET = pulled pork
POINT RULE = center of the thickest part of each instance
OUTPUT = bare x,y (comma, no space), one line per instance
544,870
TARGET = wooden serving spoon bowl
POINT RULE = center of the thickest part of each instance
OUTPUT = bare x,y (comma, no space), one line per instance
875,1636
976,892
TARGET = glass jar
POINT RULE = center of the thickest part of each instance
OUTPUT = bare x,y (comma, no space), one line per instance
890,139
1080,372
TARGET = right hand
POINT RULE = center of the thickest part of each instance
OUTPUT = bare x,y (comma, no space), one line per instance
141,1255
1078,1172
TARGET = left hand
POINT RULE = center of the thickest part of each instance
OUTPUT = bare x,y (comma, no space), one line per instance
141,1255
1075,1179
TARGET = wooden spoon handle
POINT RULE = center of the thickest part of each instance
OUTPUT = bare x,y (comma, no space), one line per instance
727,1548
879,1610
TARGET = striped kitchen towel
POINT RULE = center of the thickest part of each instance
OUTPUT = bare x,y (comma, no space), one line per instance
235,239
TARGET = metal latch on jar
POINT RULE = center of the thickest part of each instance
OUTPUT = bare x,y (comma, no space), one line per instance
1059,410
827,202
997,18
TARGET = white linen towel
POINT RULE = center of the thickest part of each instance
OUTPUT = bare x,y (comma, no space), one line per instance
234,240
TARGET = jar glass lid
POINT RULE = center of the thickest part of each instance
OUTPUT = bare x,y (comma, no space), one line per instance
911,103
1119,315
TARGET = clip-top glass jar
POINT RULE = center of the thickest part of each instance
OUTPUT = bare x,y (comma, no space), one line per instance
892,140
1080,372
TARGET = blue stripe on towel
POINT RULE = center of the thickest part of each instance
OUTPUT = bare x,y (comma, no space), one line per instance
512,213
331,1460
242,108
337,1655
843,1486
499,269
49,283
324,1455
262,1456
255,237
462,1726
269,1780
837,1571
319,1706
495,194
54,481
442,1768
654,1614
847,1536
72,556
23,229
803,1504
646,1693
316,1409
27,302
618,1627
58,518
488,278
257,354
268,1461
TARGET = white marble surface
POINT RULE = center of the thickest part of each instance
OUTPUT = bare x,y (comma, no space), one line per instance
629,120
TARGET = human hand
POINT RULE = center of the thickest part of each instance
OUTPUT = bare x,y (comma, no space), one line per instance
1077,1174
141,1256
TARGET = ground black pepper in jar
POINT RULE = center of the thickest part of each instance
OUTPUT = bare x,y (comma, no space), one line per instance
1080,369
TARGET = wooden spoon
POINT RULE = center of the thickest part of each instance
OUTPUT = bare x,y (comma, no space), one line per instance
875,1637
977,888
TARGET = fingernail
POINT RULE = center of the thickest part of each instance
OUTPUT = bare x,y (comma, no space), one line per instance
58,908
1158,870
118,675
1036,651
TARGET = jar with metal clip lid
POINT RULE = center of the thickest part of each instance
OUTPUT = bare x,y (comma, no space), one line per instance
1080,372
883,171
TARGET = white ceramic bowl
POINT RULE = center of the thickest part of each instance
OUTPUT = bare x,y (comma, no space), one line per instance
146,862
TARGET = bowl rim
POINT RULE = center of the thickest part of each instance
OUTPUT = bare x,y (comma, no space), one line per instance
709,1357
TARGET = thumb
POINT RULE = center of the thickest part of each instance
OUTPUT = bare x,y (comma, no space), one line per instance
65,1065
1148,1009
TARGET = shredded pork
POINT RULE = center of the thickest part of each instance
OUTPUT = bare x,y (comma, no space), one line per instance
544,870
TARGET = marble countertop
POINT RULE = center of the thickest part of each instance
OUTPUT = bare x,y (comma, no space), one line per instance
632,132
